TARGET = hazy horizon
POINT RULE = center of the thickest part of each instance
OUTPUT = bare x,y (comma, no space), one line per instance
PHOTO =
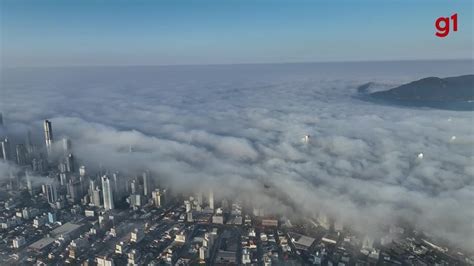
146,32
254,63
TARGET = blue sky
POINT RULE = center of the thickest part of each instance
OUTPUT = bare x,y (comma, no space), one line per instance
146,32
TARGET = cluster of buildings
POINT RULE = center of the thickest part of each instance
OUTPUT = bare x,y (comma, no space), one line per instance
53,211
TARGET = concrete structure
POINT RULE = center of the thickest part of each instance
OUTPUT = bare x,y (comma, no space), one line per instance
5,149
48,135
211,199
67,147
70,163
104,261
51,193
136,235
21,154
82,171
147,187
107,193
18,242
156,196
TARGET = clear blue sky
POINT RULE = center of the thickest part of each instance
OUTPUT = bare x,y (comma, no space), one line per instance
154,32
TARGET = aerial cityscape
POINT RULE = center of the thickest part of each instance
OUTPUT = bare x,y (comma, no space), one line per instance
236,132
55,211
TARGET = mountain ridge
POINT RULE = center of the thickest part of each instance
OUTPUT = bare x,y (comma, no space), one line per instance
432,89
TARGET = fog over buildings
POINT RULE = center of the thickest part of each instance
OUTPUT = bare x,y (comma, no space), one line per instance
239,129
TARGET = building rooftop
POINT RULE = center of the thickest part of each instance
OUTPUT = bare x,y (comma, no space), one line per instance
42,243
66,228
301,240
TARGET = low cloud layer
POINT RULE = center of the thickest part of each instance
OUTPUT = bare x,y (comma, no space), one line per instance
239,129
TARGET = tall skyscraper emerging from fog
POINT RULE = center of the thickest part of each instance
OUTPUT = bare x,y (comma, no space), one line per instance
29,143
51,193
146,183
66,145
107,193
70,163
117,185
21,154
48,135
211,199
82,171
5,149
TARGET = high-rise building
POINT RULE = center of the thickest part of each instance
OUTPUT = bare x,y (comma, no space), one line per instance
133,187
146,183
199,198
156,195
94,193
52,217
51,193
95,198
39,165
107,193
5,146
118,186
1,119
82,171
74,190
67,145
21,154
70,163
83,183
29,142
29,184
48,135
135,200
211,199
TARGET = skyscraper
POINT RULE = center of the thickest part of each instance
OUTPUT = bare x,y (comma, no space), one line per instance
48,135
74,190
156,195
51,193
70,163
39,165
82,171
94,193
146,183
133,187
5,149
29,142
29,185
107,193
117,185
211,199
67,145
199,198
21,154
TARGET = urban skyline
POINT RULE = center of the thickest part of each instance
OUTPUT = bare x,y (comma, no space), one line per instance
237,132
67,185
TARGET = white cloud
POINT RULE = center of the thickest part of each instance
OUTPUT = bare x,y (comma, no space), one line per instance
239,130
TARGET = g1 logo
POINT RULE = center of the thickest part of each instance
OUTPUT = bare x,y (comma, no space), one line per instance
442,25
